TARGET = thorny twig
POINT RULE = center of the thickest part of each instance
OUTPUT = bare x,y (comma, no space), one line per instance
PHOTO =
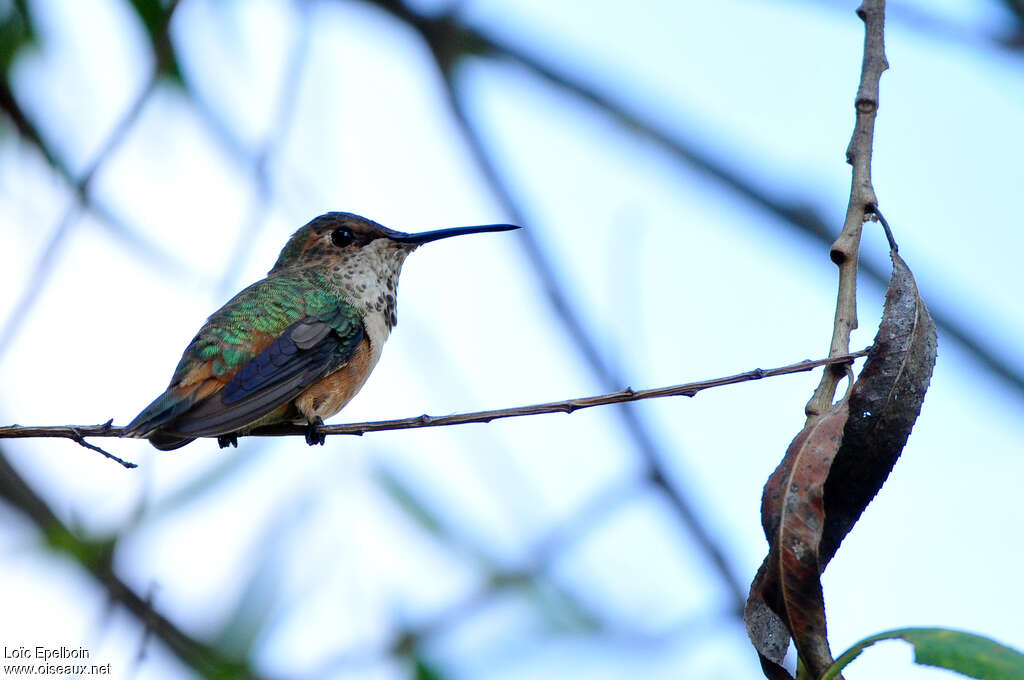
76,432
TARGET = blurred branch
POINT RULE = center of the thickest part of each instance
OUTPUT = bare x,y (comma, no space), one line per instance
448,42
118,227
497,576
96,557
28,130
155,16
284,114
45,264
81,188
409,641
863,202
798,215
528,577
931,22
75,432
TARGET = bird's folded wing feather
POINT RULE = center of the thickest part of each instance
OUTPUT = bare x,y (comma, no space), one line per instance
260,351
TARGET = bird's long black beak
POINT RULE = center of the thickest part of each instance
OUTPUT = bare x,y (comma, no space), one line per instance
428,236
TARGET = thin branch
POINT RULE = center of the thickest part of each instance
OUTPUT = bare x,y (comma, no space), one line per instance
643,439
800,215
691,389
78,439
862,203
201,656
449,40
934,24
572,405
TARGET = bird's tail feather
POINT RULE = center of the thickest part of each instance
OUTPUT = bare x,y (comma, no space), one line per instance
163,410
168,442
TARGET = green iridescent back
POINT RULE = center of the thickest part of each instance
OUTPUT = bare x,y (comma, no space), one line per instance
249,321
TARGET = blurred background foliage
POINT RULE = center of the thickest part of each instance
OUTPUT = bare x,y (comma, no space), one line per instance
679,169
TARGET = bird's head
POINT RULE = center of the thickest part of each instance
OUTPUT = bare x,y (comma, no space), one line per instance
343,241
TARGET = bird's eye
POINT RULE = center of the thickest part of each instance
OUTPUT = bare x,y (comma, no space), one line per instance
342,237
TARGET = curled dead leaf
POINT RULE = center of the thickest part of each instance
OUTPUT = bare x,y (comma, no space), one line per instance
884,404
831,471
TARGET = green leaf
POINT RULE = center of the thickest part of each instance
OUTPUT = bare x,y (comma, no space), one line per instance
965,653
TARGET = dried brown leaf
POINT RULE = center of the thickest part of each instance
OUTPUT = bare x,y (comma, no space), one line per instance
831,471
884,404
793,517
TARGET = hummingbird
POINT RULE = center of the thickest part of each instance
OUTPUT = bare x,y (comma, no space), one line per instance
296,346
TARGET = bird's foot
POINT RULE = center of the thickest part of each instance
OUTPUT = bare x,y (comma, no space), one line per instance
313,434
226,440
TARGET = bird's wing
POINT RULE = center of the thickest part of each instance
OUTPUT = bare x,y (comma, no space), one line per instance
256,354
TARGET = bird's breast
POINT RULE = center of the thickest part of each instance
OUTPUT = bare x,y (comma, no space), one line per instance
377,326
329,395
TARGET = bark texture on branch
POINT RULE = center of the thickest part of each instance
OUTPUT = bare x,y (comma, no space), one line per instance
862,204
108,429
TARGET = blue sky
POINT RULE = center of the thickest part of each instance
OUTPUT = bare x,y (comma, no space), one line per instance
677,279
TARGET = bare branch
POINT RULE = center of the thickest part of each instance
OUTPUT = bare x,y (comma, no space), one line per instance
449,41
934,24
81,442
644,440
76,432
799,215
862,203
